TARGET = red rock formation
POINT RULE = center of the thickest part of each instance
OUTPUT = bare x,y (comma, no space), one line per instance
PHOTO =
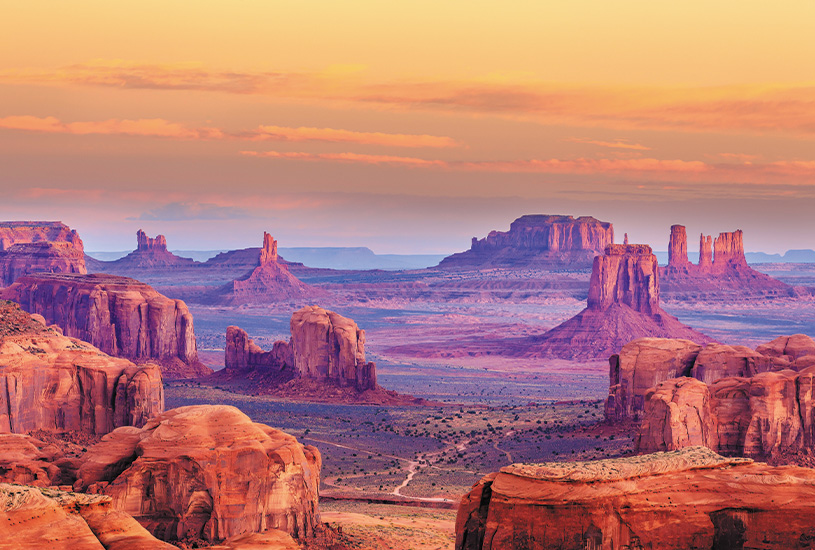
209,472
671,501
243,354
789,348
678,248
52,382
623,305
120,316
677,415
725,274
37,519
32,247
270,282
28,461
538,240
150,255
642,364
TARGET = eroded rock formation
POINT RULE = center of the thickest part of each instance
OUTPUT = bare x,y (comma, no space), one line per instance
623,304
34,247
150,253
722,269
692,498
538,239
26,460
35,519
209,472
52,382
120,316
269,282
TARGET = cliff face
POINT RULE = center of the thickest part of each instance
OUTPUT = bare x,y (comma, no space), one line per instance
35,519
33,247
120,316
207,472
722,268
242,354
538,239
52,382
623,304
269,282
673,501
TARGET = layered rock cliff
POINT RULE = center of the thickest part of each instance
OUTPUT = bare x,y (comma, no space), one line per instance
34,247
36,519
692,498
51,382
120,316
623,304
538,239
269,282
207,472
722,270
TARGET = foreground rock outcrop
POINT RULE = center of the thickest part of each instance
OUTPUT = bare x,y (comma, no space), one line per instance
722,271
51,382
269,282
207,472
324,359
34,247
537,240
120,316
690,499
36,519
623,304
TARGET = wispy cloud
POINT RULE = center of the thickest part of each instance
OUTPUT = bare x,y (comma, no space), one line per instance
744,108
158,127
185,211
356,158
619,144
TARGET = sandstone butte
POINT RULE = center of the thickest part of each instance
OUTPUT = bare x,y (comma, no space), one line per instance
324,360
149,253
42,518
722,269
207,472
691,499
52,382
623,304
269,282
121,316
32,247
537,240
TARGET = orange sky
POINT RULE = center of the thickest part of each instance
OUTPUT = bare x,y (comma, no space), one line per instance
407,127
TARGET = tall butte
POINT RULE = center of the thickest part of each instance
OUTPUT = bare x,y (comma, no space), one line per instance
722,269
623,304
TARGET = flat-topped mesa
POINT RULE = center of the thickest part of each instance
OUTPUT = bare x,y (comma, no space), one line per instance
538,239
728,251
32,247
626,274
678,248
692,498
51,382
146,244
121,316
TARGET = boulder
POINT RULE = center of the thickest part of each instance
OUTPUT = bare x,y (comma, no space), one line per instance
56,383
689,499
208,472
792,348
119,315
717,361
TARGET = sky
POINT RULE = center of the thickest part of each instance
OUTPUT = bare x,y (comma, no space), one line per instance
407,127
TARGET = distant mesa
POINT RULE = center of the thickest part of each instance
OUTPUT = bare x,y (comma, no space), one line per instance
722,268
121,316
150,253
269,282
33,247
323,360
537,240
623,304
207,472
671,501
55,383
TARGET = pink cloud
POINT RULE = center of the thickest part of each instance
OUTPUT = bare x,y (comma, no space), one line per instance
281,133
619,144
